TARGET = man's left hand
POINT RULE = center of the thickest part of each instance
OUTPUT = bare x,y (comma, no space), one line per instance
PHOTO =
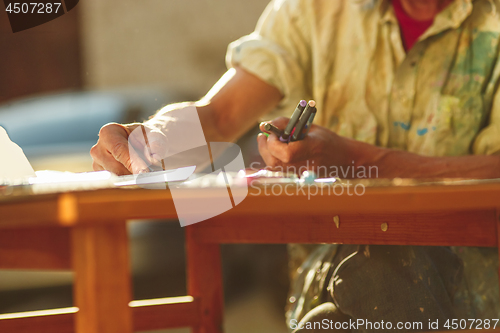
320,148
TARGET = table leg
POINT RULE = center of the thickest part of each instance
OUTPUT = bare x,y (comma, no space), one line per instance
498,242
102,289
205,282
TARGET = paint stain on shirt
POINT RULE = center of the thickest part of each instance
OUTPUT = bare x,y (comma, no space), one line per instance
404,126
421,131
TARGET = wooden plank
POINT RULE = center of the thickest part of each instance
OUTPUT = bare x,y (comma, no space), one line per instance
33,212
68,209
173,313
498,238
408,199
151,315
35,248
51,321
465,228
122,204
102,289
204,273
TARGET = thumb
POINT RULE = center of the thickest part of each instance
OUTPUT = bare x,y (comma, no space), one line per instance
149,142
158,146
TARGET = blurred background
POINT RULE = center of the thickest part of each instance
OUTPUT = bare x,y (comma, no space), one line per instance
120,61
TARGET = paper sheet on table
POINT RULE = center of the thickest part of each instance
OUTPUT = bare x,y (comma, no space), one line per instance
13,162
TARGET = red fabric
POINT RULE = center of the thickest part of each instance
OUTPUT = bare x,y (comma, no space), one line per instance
411,29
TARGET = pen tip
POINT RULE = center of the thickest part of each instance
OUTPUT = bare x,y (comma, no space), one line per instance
312,103
303,103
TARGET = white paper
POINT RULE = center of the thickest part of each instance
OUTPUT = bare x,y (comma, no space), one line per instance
13,163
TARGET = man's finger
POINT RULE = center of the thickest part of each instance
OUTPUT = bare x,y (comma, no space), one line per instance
149,142
114,166
268,158
103,160
282,151
116,143
96,166
158,146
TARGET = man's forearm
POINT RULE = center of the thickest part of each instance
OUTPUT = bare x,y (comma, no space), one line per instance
208,118
232,106
398,163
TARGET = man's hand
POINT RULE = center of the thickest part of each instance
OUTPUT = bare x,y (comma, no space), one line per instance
112,151
229,109
320,148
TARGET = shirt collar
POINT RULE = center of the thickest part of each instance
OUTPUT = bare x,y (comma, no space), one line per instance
451,17
386,12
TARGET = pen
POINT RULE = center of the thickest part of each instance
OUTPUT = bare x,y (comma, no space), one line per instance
270,128
308,124
293,120
303,121
150,167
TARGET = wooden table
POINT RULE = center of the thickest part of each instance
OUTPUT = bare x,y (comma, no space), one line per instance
86,232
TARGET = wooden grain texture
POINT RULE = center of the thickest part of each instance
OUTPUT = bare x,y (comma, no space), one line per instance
146,318
87,207
420,215
121,204
35,248
57,323
393,199
29,212
498,237
102,289
465,228
204,273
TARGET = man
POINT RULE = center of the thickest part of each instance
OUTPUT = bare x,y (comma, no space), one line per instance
409,86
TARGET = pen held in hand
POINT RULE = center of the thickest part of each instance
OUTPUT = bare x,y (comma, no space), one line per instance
270,128
293,120
308,124
310,109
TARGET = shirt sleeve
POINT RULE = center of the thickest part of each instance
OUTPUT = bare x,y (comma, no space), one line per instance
278,51
487,141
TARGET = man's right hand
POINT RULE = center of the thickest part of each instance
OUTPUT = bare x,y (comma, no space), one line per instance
229,109
111,152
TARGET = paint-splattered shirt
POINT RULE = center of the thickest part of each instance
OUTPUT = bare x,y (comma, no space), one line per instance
439,99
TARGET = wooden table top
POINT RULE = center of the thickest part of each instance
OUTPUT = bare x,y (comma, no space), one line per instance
20,207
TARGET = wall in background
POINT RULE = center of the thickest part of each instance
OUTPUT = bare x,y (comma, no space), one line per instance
42,59
178,45
175,45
